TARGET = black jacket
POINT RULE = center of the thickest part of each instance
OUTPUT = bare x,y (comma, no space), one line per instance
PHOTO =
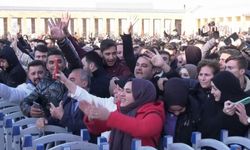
14,74
100,83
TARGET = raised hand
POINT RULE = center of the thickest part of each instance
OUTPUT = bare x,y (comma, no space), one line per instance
131,22
65,22
99,113
57,112
56,29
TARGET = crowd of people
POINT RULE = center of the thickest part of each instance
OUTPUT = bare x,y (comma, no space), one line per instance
133,87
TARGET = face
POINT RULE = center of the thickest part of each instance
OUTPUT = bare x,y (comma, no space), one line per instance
233,67
109,56
36,74
51,61
75,76
120,52
216,92
143,68
127,96
85,64
3,64
49,43
40,56
172,54
222,61
184,73
166,58
205,76
181,60
176,109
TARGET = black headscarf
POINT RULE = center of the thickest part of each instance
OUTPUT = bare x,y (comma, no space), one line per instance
143,92
175,93
229,86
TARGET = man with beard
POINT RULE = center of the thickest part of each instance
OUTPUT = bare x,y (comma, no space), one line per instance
36,71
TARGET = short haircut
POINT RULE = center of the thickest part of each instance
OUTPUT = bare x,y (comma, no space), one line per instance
55,51
93,57
241,60
84,75
164,52
107,43
232,52
214,64
36,63
41,48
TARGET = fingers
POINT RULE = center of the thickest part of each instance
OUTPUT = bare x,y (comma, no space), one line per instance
52,106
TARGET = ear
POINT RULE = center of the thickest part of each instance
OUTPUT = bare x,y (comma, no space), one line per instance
85,83
91,66
242,71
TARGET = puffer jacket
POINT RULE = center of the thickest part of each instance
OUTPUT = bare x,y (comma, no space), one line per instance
48,90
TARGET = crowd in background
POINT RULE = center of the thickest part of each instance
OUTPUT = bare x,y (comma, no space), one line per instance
135,87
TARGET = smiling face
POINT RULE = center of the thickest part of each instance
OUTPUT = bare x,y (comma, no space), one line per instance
127,95
51,61
109,55
143,68
36,73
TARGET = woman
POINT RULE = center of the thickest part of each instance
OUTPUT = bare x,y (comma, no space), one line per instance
201,91
139,115
182,116
225,86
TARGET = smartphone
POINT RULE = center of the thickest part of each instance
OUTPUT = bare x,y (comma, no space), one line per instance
234,36
244,101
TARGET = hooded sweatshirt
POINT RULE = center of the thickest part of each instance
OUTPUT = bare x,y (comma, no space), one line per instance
14,74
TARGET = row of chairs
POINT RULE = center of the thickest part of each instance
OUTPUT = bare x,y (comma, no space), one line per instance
11,133
226,143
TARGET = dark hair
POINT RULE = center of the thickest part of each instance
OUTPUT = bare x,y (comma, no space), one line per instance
93,57
36,63
210,63
105,44
232,52
164,52
241,61
55,51
41,48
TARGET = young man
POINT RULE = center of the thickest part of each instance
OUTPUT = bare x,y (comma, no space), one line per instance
238,65
112,64
36,72
48,90
92,62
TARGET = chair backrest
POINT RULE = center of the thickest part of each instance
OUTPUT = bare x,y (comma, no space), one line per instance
48,128
5,104
79,145
25,122
14,115
9,110
228,140
198,143
169,145
179,146
57,137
